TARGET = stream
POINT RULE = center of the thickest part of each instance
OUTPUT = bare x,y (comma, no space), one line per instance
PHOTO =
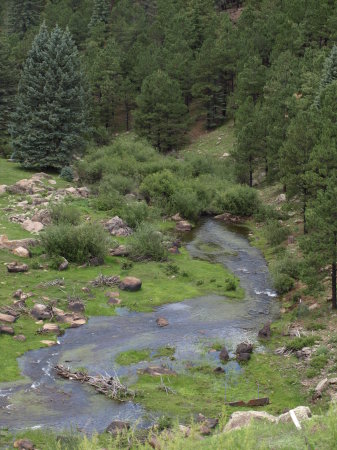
41,400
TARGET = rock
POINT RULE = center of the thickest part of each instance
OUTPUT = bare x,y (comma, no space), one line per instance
302,413
291,240
112,294
41,312
304,353
96,261
154,443
24,444
43,216
76,306
224,355
121,250
313,306
162,322
8,318
17,294
185,430
22,252
157,371
11,245
265,332
52,181
219,370
3,188
32,227
117,227
244,347
211,423
229,218
322,385
86,290
83,191
15,267
174,250
177,218
243,357
20,338
51,328
77,322
48,343
64,265
117,426
241,419
281,198
130,284
4,329
333,381
183,226
114,301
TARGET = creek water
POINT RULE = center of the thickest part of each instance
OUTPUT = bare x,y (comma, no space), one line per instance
43,400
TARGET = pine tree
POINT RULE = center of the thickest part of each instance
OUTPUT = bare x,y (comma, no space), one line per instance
23,14
322,223
48,123
8,77
100,13
329,73
161,113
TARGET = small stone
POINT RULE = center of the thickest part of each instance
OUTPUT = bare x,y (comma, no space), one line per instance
131,284
7,330
51,328
183,226
117,426
322,385
174,250
7,318
31,226
18,293
24,444
64,265
224,355
265,332
154,443
114,301
162,322
48,343
313,306
243,357
22,252
177,218
14,267
76,306
20,338
77,323
121,250
112,294
41,312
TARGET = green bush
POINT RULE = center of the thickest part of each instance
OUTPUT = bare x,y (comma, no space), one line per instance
120,183
75,243
185,201
241,201
319,362
300,342
147,244
283,283
159,187
135,213
67,173
275,233
288,265
62,213
107,200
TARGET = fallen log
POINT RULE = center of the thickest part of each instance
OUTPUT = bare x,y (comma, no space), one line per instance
107,385
254,402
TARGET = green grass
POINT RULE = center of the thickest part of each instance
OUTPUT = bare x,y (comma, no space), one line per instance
135,356
201,390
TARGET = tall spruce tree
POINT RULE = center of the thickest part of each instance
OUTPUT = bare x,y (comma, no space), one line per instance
23,14
161,115
329,74
48,123
100,12
8,77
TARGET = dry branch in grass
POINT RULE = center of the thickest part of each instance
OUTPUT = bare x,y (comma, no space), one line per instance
107,385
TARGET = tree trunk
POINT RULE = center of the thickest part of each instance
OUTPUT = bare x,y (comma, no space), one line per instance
305,229
333,275
250,172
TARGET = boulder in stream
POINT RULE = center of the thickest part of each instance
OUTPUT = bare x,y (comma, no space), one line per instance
224,355
131,284
162,322
117,426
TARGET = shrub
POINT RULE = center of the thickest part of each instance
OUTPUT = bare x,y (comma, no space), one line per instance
107,200
64,214
67,173
319,362
75,243
135,213
117,182
275,233
288,265
300,342
159,186
186,202
283,283
241,201
146,244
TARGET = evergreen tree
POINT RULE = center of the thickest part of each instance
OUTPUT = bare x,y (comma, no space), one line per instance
295,160
161,113
48,123
23,14
322,223
100,13
329,73
8,77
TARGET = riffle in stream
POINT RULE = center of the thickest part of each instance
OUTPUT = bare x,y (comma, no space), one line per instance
43,400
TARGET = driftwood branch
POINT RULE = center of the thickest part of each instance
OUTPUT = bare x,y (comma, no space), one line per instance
107,385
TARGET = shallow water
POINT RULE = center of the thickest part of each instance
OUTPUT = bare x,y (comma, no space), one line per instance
43,401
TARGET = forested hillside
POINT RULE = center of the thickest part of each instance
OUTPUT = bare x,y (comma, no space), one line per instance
168,168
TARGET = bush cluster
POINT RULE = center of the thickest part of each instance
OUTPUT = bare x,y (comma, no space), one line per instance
77,243
62,213
147,244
